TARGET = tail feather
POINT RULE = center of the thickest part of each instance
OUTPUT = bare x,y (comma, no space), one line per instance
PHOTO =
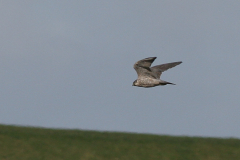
165,82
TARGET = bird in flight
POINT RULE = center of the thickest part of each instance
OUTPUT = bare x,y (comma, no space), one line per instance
150,76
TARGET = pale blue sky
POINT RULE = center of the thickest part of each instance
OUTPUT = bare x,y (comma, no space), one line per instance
69,64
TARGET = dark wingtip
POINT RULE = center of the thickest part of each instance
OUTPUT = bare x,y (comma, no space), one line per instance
151,58
177,63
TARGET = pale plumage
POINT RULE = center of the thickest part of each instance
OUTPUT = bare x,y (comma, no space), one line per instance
150,76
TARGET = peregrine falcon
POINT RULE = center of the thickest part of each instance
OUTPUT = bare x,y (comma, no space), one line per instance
150,76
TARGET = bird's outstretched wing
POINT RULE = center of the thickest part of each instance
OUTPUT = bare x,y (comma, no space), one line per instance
157,70
142,67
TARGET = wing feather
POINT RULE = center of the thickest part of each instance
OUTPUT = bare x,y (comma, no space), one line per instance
142,67
157,70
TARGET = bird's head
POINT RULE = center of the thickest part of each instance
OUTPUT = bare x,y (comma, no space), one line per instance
134,83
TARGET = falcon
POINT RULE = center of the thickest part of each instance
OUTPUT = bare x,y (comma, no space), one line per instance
150,76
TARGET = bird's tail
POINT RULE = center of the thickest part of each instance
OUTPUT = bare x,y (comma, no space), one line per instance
165,82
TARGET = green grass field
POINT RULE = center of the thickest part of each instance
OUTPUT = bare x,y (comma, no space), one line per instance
26,143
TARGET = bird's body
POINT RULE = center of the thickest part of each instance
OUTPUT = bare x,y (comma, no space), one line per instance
150,76
147,82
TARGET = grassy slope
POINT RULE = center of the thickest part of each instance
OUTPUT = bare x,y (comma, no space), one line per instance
24,143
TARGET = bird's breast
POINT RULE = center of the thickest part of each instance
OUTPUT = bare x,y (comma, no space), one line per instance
148,82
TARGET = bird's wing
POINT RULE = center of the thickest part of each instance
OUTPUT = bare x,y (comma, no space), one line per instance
157,70
142,67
